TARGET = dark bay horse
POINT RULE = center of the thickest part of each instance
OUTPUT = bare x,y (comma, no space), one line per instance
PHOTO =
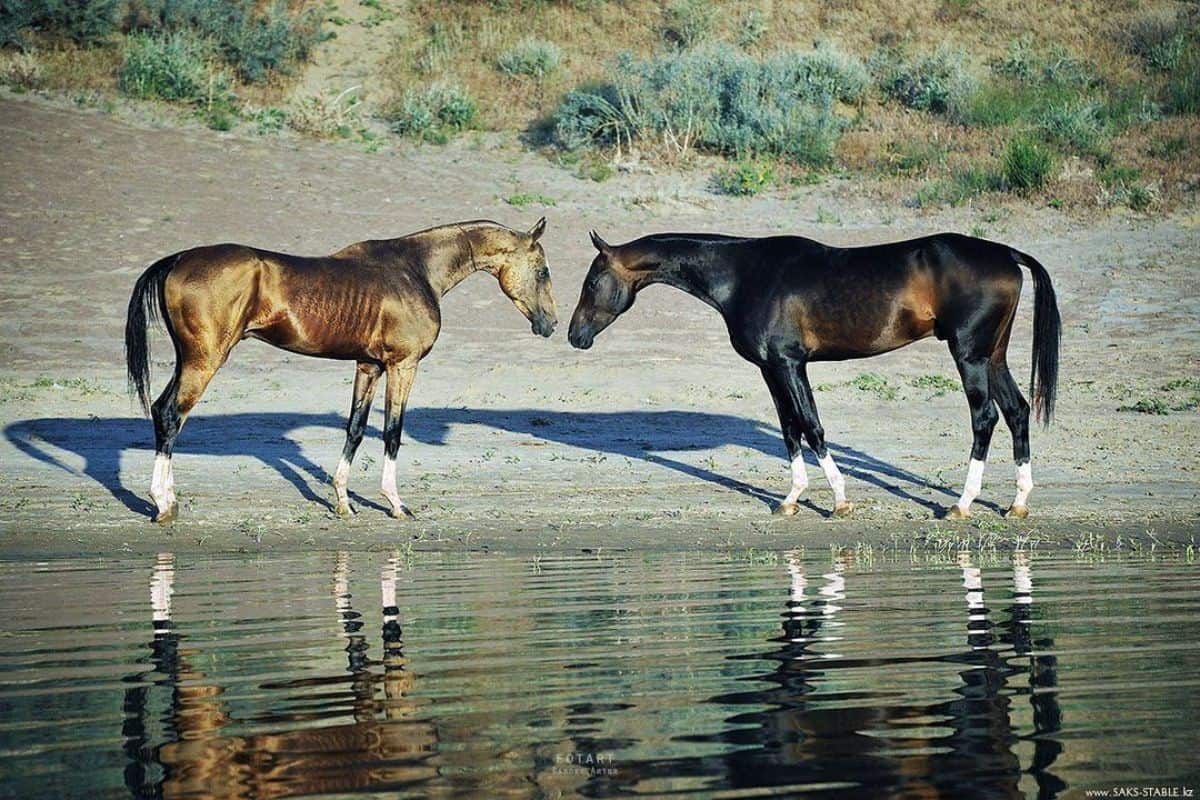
788,301
376,303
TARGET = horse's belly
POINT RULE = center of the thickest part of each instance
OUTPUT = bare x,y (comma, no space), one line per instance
285,334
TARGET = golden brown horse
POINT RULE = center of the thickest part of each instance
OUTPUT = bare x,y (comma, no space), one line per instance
376,303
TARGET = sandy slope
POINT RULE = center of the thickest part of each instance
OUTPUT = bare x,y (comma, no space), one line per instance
658,435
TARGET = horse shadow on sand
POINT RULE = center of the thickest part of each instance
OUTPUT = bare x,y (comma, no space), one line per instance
648,436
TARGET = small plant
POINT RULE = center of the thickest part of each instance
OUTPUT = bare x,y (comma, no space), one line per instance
1159,39
744,178
523,199
334,117
938,384
166,66
433,112
1027,165
534,58
876,385
22,71
1148,405
688,22
1079,125
752,28
960,188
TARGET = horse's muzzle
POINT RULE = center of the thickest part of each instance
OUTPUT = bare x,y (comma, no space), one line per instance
544,326
581,339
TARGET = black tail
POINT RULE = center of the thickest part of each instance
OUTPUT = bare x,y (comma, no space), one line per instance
1047,330
145,306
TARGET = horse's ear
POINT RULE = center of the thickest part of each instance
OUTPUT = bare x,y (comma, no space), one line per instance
538,229
600,244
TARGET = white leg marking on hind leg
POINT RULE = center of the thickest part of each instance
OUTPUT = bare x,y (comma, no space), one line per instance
1024,483
341,478
799,480
973,485
836,481
389,486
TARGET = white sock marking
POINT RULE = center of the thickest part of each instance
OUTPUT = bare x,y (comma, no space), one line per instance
836,481
389,485
799,480
162,483
1024,483
973,485
341,477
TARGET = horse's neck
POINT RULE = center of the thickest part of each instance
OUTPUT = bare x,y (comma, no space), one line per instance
451,256
700,274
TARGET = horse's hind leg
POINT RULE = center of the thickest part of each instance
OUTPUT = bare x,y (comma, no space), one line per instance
365,381
974,372
169,412
1015,409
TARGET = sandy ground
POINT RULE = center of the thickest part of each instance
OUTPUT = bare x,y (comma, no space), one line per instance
660,436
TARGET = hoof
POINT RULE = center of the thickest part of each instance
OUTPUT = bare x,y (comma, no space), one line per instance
843,509
344,510
1017,512
786,510
957,513
168,516
402,513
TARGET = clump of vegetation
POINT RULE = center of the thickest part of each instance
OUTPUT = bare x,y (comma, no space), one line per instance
877,385
523,199
960,187
22,71
170,66
687,23
744,178
335,117
1027,164
1079,125
1148,405
1159,38
940,82
433,112
718,99
752,28
938,384
86,22
534,58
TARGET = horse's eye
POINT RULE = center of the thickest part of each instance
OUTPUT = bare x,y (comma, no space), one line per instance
543,274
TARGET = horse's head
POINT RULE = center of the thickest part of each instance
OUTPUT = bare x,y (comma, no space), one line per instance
521,268
608,292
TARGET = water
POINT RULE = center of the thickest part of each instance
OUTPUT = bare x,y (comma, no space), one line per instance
724,675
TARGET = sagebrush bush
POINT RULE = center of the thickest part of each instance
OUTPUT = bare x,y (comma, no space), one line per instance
432,112
941,81
1158,38
535,58
85,21
688,22
718,99
1027,164
752,28
168,66
1079,125
22,70
325,117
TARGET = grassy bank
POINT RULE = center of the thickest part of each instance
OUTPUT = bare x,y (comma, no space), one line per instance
948,100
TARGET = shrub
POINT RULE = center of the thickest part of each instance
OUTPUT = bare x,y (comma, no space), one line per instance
22,71
1159,39
744,178
535,58
433,112
940,81
961,187
825,72
85,21
1079,125
326,117
752,28
688,22
1181,95
714,98
165,66
1027,164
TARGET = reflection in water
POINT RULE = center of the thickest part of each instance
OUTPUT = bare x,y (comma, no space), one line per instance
196,761
646,675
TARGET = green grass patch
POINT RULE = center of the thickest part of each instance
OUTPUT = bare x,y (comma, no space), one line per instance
877,385
533,58
744,178
938,384
432,113
1027,164
523,199
959,188
168,66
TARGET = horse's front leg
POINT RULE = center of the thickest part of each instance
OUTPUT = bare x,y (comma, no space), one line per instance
365,381
399,382
789,425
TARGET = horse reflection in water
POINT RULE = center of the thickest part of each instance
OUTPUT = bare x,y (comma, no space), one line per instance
854,742
382,749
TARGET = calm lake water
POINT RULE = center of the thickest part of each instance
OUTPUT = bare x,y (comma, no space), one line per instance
723,675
